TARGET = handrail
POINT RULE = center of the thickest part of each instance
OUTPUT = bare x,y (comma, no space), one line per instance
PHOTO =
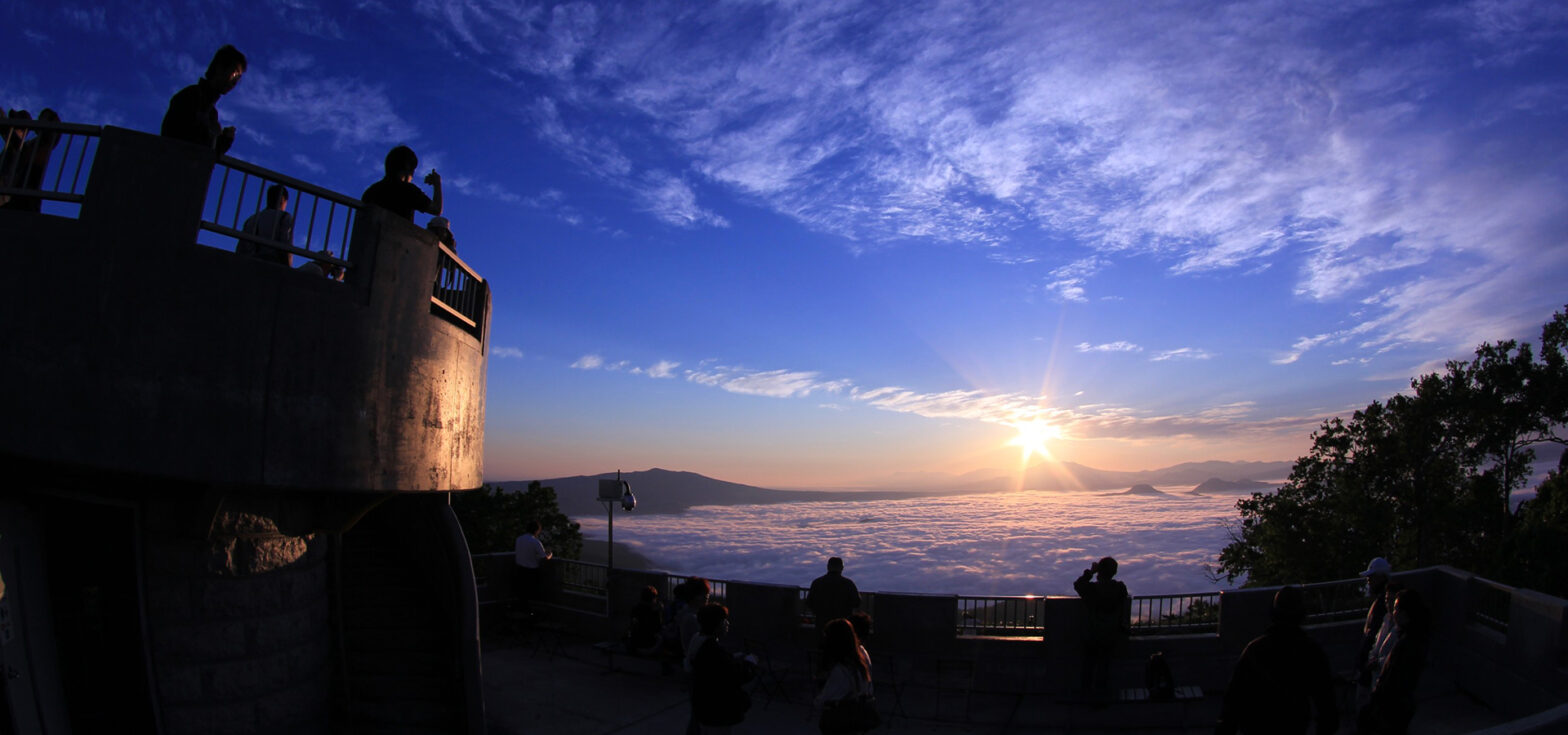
1490,604
1176,614
458,292
223,211
24,185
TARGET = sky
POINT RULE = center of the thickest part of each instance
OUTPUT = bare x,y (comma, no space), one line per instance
800,244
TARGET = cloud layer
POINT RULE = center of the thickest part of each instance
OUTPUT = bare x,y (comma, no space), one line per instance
1005,544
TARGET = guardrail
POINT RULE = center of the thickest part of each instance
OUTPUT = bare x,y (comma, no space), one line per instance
459,291
46,162
1337,601
580,577
992,615
238,190
1490,603
1176,614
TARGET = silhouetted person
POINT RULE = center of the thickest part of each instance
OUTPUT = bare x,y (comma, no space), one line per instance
11,138
1377,572
273,223
1106,609
25,170
528,555
1280,678
848,682
687,626
441,227
1400,663
193,111
396,191
832,595
717,700
647,618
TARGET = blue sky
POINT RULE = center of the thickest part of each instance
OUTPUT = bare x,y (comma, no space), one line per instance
796,243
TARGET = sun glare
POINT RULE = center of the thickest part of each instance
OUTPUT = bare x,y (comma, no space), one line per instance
1032,439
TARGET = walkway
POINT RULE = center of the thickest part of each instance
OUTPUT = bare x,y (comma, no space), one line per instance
554,684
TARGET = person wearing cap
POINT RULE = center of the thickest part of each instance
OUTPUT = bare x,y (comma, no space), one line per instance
1281,677
1376,574
441,227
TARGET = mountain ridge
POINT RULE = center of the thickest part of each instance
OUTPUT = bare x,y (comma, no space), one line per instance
661,491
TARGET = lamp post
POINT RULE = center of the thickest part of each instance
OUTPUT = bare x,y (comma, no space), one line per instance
612,492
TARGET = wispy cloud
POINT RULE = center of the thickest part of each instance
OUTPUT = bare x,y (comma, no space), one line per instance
352,112
1021,127
506,352
1084,422
1117,346
1181,353
672,200
663,369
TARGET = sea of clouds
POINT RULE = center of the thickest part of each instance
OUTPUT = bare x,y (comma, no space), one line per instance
998,544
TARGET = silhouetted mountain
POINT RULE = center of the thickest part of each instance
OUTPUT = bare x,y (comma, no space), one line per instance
1142,490
669,491
1216,485
1073,476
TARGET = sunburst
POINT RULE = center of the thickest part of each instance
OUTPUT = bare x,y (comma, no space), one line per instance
1033,437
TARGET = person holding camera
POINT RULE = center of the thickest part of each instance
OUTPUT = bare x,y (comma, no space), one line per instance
397,193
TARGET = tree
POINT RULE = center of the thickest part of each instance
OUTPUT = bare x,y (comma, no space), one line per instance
1423,478
493,518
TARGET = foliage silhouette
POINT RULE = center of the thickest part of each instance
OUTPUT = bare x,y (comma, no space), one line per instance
1425,478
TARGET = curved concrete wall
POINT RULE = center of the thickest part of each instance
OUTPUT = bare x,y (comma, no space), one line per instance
131,349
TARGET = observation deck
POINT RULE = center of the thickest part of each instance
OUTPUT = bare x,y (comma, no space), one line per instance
226,479
137,342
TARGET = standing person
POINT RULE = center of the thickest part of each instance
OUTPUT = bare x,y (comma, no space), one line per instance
687,624
1393,700
396,191
1376,574
1281,676
193,111
273,223
1106,607
846,698
528,555
717,700
832,595
647,619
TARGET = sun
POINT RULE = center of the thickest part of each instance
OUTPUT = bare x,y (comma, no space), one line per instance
1032,438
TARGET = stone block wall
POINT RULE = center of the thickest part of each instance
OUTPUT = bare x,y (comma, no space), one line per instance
238,624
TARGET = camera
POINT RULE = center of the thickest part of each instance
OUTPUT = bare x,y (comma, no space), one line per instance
432,177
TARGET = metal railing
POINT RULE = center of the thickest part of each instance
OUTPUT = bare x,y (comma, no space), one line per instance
46,162
868,601
1337,601
1490,603
323,219
1001,616
720,587
580,577
1176,614
459,291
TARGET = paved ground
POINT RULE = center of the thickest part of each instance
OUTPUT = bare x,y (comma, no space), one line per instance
553,684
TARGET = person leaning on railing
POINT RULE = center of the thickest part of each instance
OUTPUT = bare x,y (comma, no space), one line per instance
396,191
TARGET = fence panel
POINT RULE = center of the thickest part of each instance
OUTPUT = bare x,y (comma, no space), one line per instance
46,165
323,220
1176,614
